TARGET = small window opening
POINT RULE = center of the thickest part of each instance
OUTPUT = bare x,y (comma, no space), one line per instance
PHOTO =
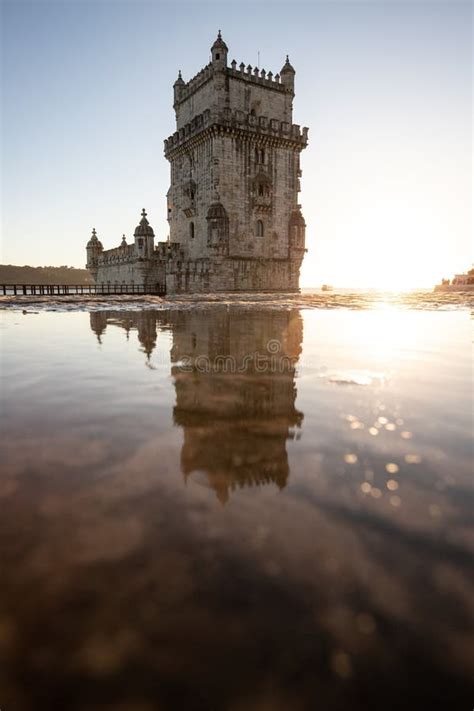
218,56
191,230
259,228
259,156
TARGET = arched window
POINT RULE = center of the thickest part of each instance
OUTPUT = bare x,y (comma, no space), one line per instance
259,228
259,156
191,230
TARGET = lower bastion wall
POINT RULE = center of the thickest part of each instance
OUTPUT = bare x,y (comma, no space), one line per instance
226,274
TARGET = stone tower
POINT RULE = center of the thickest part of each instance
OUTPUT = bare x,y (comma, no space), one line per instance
233,212
233,205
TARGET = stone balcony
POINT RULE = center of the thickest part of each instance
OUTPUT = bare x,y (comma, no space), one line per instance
262,203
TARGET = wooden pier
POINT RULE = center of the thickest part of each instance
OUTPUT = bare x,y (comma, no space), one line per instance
80,289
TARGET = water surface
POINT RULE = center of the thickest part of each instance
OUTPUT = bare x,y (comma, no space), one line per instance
251,504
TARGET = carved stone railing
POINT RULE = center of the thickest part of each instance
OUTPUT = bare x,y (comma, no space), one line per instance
262,203
116,255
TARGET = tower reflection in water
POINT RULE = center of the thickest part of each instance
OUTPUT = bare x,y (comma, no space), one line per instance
234,376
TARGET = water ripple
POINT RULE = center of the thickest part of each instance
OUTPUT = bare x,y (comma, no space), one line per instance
307,299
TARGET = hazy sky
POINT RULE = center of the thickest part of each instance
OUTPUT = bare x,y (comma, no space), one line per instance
385,88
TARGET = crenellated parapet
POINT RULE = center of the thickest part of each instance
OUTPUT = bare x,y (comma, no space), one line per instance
188,88
117,255
254,75
246,73
235,119
166,251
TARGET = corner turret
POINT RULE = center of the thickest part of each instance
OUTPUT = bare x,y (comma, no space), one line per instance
94,248
219,53
144,238
178,87
288,76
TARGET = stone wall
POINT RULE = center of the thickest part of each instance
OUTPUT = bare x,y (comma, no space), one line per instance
223,158
150,273
264,98
231,274
196,102
190,195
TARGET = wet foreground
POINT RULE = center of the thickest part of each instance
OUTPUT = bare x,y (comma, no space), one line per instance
236,507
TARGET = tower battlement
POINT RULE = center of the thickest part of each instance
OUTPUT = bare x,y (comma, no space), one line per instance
243,72
261,126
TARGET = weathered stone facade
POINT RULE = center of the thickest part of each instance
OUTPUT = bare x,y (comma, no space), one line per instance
235,222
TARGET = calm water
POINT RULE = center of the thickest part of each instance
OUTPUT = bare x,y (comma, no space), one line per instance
258,505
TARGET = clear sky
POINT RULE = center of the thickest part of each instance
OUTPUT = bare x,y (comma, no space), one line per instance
385,88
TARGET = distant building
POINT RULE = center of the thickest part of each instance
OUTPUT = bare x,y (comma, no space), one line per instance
233,212
463,279
460,282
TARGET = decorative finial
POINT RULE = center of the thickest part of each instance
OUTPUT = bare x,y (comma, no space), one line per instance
219,36
143,213
94,233
179,74
287,59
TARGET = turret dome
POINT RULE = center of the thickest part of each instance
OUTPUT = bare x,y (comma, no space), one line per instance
287,68
94,241
219,43
144,229
179,81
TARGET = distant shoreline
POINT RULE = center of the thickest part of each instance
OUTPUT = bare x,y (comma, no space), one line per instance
11,274
454,287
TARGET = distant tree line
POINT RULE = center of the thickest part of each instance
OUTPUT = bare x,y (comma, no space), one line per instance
12,274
